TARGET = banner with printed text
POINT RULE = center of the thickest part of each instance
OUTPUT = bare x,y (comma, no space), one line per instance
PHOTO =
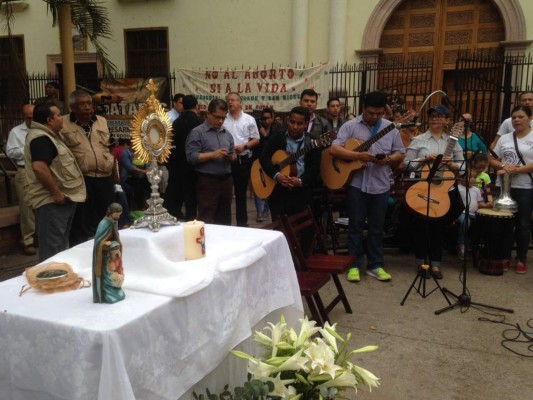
278,88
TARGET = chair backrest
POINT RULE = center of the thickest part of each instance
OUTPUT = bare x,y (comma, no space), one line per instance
304,236
306,230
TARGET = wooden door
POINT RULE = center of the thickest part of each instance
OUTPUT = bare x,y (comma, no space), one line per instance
434,31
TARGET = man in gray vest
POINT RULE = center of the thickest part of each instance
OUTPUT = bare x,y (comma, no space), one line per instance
55,182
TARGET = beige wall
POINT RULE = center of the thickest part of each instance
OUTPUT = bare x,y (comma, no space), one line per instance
213,33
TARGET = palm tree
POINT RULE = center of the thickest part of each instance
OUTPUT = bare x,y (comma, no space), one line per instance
91,20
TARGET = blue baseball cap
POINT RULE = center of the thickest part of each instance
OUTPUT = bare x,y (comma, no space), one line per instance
440,109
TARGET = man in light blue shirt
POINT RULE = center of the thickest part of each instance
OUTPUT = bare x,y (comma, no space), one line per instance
368,191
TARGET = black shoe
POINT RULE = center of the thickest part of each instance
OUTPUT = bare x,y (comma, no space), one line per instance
435,271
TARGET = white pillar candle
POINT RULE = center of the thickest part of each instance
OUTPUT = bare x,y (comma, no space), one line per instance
194,239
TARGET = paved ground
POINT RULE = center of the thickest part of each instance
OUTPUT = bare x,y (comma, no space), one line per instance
455,355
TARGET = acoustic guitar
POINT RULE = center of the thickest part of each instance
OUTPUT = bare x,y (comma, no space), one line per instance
337,173
435,194
264,185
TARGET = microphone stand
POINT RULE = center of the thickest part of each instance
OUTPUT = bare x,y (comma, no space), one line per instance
464,299
423,272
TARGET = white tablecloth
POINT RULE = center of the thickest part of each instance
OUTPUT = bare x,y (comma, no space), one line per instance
149,346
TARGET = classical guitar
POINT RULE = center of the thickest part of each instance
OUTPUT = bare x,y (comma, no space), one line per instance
435,194
336,172
264,185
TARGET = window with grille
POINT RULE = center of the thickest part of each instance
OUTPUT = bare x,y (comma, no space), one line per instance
147,52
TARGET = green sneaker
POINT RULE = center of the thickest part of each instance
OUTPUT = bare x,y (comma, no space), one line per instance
353,275
379,273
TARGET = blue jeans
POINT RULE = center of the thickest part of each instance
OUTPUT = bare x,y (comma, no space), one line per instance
371,208
462,228
261,206
522,233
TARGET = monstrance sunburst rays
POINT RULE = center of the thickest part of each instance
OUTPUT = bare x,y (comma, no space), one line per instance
150,116
151,139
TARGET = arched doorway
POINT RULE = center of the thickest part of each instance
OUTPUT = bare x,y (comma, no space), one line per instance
434,31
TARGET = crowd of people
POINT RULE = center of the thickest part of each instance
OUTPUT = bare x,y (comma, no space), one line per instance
70,170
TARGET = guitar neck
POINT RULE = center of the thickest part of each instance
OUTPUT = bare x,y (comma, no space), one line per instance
366,145
452,140
295,156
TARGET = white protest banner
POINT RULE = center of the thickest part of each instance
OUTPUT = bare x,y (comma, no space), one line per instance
278,87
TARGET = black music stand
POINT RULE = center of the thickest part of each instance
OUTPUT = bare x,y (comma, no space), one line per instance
464,299
423,272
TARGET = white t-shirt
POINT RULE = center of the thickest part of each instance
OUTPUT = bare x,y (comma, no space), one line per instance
507,126
506,151
475,198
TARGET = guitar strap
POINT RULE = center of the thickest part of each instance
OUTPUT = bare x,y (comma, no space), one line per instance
375,129
520,154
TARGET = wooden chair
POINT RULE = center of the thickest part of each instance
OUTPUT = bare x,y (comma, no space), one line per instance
310,283
302,229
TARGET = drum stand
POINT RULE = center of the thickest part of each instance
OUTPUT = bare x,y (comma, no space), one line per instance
464,299
423,272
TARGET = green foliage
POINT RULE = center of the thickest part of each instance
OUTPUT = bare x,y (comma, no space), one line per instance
253,389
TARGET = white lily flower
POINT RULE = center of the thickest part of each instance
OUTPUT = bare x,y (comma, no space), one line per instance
366,349
328,337
263,339
322,359
307,330
295,363
366,376
277,334
259,369
280,390
346,379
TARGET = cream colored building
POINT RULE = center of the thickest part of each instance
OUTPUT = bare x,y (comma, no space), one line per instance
236,33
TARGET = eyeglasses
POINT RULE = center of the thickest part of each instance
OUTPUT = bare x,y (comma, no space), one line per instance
218,117
437,116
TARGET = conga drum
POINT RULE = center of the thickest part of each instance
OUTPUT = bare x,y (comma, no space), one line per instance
495,239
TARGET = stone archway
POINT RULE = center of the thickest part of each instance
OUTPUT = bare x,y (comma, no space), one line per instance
515,27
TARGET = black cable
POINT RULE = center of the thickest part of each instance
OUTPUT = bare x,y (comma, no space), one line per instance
513,334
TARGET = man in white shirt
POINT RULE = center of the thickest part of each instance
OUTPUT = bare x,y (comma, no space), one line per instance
245,134
15,151
526,100
177,107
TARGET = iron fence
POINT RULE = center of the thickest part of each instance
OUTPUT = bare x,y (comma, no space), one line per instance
488,86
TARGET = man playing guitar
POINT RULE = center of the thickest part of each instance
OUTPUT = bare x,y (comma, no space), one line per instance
421,153
368,190
293,192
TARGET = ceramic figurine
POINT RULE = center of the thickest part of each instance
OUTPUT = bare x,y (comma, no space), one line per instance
108,273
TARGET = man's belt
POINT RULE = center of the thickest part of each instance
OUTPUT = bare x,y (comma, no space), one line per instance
219,177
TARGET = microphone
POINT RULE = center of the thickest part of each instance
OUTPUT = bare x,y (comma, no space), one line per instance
408,124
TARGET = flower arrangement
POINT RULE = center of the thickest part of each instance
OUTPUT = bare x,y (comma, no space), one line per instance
312,364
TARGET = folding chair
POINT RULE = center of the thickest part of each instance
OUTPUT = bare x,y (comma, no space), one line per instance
309,282
310,254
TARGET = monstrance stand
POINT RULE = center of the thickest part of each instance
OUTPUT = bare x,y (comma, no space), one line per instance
151,139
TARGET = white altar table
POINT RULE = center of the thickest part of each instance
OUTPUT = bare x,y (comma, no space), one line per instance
177,324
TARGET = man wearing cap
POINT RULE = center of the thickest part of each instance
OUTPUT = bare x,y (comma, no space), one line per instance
15,151
52,94
423,150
